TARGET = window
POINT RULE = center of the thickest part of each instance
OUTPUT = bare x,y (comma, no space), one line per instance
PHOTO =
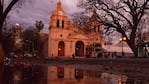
57,23
62,23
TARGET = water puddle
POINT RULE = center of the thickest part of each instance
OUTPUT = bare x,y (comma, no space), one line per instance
23,73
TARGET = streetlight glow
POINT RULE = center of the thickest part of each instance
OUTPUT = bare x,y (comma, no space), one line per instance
121,39
17,24
124,38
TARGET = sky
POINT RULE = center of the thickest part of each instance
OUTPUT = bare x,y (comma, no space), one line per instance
28,14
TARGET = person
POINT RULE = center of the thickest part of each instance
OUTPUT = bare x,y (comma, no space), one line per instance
73,56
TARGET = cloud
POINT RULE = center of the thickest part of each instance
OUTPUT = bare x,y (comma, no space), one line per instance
70,5
39,10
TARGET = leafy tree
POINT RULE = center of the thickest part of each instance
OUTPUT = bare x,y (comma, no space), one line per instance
4,11
123,16
5,7
8,39
31,39
39,26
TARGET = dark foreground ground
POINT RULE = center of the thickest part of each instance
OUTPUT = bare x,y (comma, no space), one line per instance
124,62
86,61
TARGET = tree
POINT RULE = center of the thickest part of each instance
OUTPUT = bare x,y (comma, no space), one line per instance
8,39
39,25
123,16
30,37
5,7
4,11
80,19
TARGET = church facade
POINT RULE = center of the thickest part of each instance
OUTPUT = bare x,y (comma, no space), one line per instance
65,39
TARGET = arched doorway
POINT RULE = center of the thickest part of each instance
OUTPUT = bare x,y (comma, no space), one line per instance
79,49
61,48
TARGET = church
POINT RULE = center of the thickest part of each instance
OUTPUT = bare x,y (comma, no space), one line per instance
65,39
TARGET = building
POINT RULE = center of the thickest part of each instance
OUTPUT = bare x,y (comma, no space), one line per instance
66,39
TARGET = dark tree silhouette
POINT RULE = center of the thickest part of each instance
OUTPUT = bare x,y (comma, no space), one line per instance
5,8
4,11
31,38
123,16
39,25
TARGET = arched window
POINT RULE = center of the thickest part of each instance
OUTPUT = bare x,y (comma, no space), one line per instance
57,23
62,23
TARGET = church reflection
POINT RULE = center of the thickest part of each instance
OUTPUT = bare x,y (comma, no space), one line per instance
59,75
60,72
79,74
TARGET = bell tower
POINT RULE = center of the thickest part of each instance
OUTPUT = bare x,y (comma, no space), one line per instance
58,18
58,27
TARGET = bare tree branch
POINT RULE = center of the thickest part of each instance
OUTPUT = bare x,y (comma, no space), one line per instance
124,16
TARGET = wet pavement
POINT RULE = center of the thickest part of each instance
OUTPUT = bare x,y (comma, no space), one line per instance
31,72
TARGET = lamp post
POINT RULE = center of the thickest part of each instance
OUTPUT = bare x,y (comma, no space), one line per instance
17,36
17,31
121,40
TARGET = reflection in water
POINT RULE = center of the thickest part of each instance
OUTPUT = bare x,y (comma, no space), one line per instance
17,77
28,74
79,74
60,72
109,78
22,73
7,77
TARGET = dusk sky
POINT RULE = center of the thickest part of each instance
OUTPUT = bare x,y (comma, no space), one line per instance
39,10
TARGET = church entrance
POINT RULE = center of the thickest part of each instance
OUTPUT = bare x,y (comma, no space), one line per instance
79,49
61,48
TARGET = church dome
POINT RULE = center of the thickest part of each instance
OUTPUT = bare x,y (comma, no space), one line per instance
59,10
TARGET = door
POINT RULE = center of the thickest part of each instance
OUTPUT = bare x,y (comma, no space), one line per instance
61,48
79,49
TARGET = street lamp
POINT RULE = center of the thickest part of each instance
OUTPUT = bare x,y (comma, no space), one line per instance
17,25
17,34
121,40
